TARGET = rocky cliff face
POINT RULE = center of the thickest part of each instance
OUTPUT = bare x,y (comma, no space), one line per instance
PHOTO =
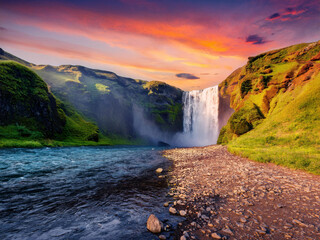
254,90
25,100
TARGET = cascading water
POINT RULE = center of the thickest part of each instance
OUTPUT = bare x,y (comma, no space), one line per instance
200,117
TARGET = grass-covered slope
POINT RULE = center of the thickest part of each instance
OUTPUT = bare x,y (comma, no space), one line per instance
30,116
113,102
277,101
110,100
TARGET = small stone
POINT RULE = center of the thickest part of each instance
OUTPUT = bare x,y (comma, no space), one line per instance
172,210
183,238
167,228
216,236
186,234
299,223
287,235
162,237
288,226
279,205
182,213
243,220
228,231
159,170
154,225
166,204
260,232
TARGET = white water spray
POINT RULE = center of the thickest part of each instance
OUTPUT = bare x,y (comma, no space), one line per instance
201,117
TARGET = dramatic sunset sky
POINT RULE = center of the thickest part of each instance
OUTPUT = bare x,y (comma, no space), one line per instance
190,44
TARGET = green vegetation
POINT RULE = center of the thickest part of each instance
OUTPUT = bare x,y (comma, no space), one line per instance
102,88
288,97
32,117
246,86
169,119
240,122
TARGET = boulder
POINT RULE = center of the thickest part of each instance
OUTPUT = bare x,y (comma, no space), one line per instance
154,225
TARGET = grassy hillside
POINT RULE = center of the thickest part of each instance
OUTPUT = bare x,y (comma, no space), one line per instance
30,116
277,102
111,101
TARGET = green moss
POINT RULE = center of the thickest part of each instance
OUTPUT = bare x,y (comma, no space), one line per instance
309,54
265,80
21,82
152,84
102,88
241,122
246,86
170,118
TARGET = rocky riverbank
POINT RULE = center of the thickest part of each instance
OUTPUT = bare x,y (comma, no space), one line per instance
223,196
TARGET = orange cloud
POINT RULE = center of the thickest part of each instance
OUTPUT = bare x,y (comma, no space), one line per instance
71,20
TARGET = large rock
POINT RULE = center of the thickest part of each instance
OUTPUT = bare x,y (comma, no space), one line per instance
154,225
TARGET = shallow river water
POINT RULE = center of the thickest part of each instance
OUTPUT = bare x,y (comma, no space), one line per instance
81,192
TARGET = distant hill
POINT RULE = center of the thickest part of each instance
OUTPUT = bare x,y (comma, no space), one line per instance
30,116
277,101
121,107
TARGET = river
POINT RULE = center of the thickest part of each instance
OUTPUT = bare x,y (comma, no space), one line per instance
81,192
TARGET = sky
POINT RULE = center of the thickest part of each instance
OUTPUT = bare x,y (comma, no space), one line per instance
189,44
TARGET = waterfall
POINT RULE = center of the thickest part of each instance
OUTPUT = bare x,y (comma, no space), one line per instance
200,117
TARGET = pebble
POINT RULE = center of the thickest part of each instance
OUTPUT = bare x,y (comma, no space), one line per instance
182,213
159,170
228,231
216,236
243,220
260,232
162,237
299,223
217,187
172,210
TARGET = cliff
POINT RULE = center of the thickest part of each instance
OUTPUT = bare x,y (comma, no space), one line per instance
277,103
31,116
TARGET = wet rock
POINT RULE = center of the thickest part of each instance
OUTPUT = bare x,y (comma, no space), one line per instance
172,210
182,213
162,237
154,225
159,170
166,204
